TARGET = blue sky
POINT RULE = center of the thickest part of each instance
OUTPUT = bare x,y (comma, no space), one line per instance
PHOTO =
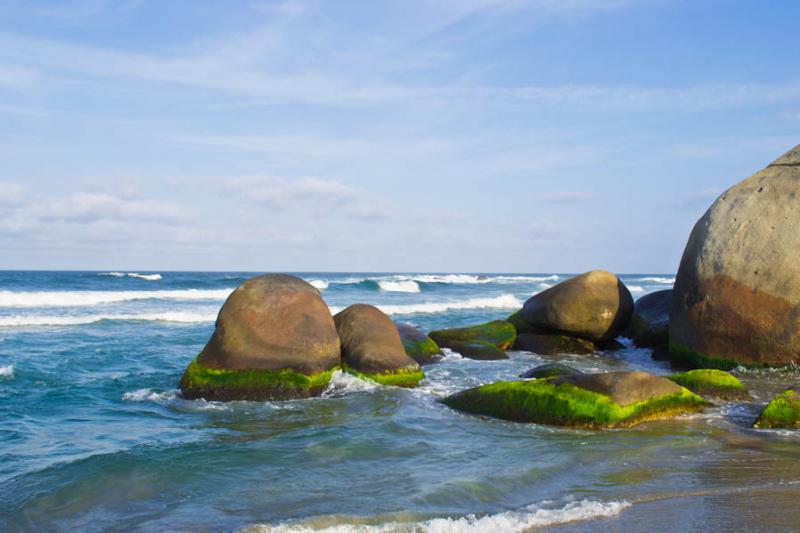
463,135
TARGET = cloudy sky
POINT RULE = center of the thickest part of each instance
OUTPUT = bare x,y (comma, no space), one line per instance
425,135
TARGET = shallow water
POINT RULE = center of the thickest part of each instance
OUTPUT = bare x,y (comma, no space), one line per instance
93,435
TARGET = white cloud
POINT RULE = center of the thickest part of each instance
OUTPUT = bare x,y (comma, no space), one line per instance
11,193
90,207
309,194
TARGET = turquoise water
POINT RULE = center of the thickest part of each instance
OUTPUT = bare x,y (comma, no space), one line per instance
94,436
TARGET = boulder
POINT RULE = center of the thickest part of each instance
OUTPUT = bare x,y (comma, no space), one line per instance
782,412
498,333
550,370
649,326
714,383
607,400
553,344
478,350
274,339
595,305
737,292
372,348
418,346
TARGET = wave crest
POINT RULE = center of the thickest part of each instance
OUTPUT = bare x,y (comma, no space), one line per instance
398,286
147,277
7,371
18,299
534,516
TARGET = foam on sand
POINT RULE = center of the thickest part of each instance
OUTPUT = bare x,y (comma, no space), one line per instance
21,299
534,516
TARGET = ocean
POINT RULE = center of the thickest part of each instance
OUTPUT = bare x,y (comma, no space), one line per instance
95,437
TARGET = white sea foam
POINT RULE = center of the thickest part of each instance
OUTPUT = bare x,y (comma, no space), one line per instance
7,371
18,299
505,301
399,286
320,284
149,395
510,521
666,281
635,288
77,320
343,383
147,277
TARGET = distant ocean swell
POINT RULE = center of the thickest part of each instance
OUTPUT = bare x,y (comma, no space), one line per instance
506,301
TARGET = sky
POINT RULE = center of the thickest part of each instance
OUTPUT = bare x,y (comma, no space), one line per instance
412,135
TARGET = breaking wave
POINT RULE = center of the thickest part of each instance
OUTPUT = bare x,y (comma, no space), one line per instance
7,371
399,286
85,298
534,516
45,320
147,277
505,301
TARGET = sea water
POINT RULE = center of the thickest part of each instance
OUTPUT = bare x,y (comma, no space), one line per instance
95,436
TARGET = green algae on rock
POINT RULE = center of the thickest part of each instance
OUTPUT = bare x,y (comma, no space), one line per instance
519,323
712,382
550,370
482,351
404,377
609,400
418,346
230,384
782,412
499,333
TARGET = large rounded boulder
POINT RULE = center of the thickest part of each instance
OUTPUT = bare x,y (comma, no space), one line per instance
649,325
737,292
596,306
372,348
274,339
418,346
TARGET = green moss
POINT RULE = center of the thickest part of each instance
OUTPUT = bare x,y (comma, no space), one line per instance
711,382
542,401
497,332
404,377
223,384
693,359
422,352
519,323
782,412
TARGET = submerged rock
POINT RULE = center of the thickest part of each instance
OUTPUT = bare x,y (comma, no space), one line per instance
783,412
498,333
553,344
737,292
649,326
371,347
274,339
478,350
550,370
713,383
418,346
612,399
595,305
